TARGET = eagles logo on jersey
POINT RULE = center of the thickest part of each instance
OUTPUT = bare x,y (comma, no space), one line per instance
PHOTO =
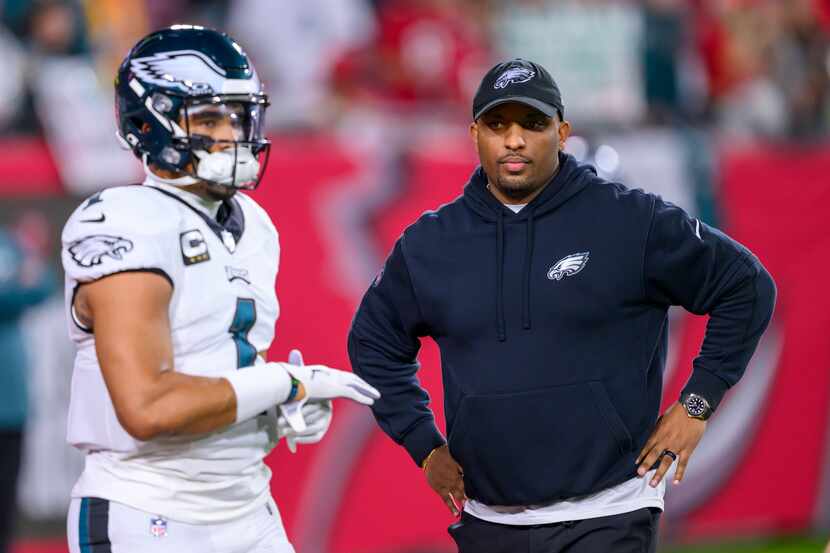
568,266
91,250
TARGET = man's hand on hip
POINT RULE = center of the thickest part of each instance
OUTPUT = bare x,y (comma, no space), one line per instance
674,438
445,476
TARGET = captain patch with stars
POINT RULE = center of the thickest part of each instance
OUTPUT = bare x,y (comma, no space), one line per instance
194,247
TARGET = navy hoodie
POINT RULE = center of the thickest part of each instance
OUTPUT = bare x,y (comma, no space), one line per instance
552,328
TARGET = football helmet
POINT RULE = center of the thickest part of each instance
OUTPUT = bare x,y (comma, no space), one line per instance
186,73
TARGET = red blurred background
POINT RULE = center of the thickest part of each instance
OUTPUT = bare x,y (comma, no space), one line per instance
721,106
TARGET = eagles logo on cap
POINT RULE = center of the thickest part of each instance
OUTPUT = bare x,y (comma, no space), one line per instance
514,75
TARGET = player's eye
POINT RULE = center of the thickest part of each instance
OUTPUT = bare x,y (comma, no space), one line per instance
205,122
495,125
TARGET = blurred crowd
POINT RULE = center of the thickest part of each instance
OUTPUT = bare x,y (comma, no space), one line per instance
647,82
754,69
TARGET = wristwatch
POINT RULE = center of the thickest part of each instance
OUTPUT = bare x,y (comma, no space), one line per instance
696,406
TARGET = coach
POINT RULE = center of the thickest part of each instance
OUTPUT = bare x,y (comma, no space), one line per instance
546,289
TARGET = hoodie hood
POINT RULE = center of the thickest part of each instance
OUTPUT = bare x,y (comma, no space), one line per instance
570,180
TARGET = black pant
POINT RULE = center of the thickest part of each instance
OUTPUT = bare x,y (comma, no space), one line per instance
634,532
11,446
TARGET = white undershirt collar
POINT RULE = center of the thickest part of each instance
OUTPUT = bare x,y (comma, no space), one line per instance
515,208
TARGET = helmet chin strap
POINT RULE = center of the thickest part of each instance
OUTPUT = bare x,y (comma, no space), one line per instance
180,181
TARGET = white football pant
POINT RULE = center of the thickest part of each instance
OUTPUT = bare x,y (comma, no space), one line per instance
101,526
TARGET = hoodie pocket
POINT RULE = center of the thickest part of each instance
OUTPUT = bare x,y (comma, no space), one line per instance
540,446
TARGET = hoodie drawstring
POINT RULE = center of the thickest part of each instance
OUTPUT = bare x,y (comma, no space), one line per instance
501,325
502,334
526,279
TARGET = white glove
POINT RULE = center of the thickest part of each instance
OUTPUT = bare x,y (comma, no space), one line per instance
321,382
317,416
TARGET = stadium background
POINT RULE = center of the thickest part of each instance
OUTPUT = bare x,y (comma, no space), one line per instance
722,106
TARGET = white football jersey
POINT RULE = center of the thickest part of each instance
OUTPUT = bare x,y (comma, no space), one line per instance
223,311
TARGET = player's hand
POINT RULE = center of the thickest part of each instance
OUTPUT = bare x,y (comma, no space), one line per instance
317,416
677,433
446,478
322,382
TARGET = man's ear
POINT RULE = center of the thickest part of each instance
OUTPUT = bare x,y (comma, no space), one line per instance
474,134
564,132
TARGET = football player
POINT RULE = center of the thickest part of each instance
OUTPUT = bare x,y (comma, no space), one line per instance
170,289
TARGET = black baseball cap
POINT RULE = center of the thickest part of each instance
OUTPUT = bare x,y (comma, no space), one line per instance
520,81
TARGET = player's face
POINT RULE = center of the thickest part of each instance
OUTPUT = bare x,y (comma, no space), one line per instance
223,124
519,148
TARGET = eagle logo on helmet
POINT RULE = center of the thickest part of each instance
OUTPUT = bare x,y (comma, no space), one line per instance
568,266
190,68
91,250
514,75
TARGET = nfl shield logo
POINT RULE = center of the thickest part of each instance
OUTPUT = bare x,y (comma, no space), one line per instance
158,527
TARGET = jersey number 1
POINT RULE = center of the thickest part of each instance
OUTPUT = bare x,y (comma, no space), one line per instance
243,321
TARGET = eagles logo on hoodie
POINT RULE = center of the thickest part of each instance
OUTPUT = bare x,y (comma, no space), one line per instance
568,266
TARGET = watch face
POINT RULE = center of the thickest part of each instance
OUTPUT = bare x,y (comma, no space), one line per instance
695,405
